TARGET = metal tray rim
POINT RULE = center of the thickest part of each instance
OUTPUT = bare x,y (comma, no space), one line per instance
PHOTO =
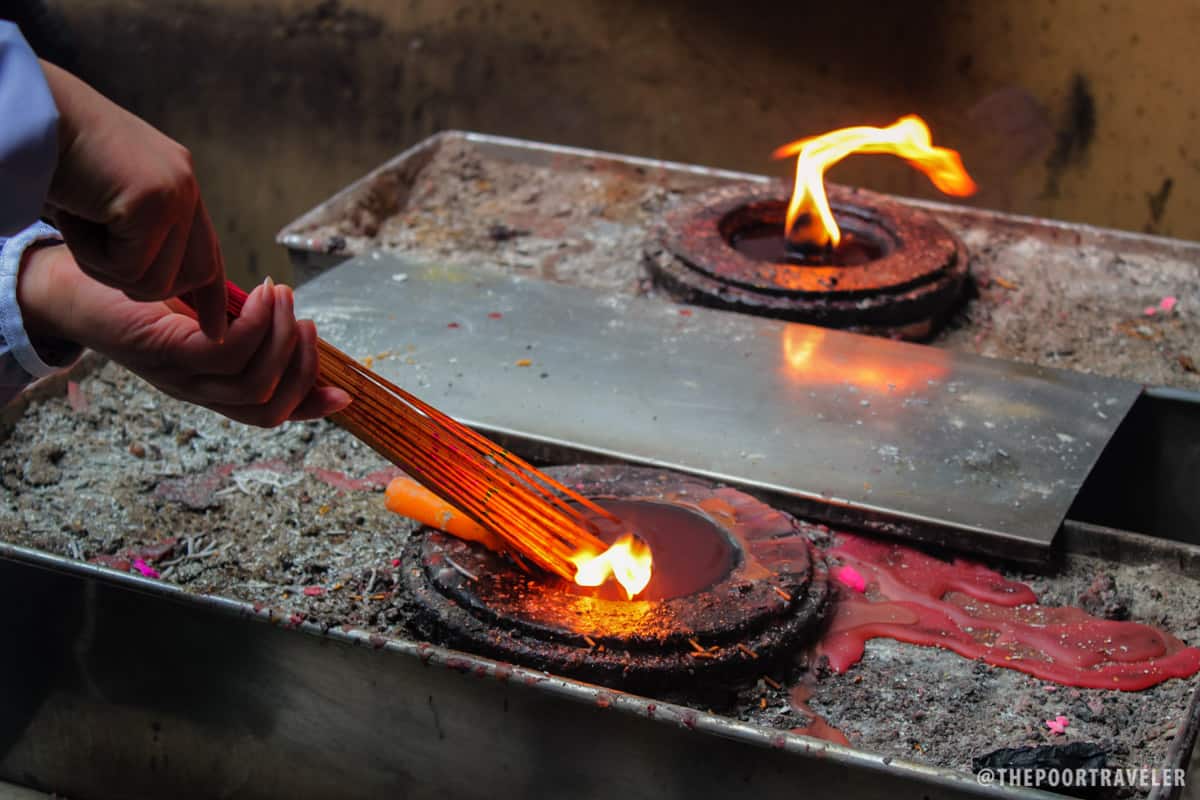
574,691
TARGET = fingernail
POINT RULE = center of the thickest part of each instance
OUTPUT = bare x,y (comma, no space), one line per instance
338,398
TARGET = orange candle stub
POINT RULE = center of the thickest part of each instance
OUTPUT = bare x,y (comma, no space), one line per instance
410,499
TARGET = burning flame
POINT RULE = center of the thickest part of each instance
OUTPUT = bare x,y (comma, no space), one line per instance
809,217
628,560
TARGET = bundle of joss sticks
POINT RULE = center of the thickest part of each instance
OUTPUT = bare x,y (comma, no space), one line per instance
537,517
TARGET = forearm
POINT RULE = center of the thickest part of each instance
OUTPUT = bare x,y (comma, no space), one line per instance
71,98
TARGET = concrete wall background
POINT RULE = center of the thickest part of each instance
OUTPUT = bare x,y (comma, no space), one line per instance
1063,108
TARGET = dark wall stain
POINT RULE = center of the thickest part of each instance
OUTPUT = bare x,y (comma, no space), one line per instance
1157,201
44,29
1074,135
331,18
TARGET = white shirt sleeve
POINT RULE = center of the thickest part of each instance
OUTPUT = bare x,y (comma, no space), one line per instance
20,363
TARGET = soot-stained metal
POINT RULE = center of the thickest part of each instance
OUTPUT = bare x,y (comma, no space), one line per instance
905,279
769,600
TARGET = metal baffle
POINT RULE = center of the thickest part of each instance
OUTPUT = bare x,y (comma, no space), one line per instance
981,454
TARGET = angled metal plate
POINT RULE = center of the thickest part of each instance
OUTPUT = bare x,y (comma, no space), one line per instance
979,454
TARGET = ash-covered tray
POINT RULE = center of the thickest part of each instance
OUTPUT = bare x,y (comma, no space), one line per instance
1044,292
558,213
195,592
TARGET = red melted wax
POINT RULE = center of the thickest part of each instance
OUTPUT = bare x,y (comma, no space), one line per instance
818,727
978,613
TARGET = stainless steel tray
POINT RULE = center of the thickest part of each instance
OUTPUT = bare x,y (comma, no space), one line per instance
120,686
311,255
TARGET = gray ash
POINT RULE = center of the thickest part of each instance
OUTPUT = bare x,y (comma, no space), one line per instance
293,519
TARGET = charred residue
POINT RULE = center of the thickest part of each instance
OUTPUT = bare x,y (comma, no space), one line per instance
903,276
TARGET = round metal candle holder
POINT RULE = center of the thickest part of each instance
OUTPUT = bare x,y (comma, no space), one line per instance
769,600
913,278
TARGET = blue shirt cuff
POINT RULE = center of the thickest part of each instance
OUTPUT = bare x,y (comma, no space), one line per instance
12,326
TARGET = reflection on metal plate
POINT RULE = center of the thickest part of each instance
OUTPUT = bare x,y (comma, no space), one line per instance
980,454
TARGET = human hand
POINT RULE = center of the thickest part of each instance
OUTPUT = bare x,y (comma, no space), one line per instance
262,373
127,202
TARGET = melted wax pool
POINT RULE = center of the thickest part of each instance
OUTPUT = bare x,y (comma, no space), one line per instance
978,613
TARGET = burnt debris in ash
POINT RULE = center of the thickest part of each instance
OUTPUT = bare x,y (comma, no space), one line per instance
42,467
1102,599
503,233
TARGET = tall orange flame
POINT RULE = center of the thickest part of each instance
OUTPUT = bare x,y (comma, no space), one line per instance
809,217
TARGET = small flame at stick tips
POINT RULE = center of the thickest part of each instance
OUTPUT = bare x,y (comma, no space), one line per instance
809,218
628,560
